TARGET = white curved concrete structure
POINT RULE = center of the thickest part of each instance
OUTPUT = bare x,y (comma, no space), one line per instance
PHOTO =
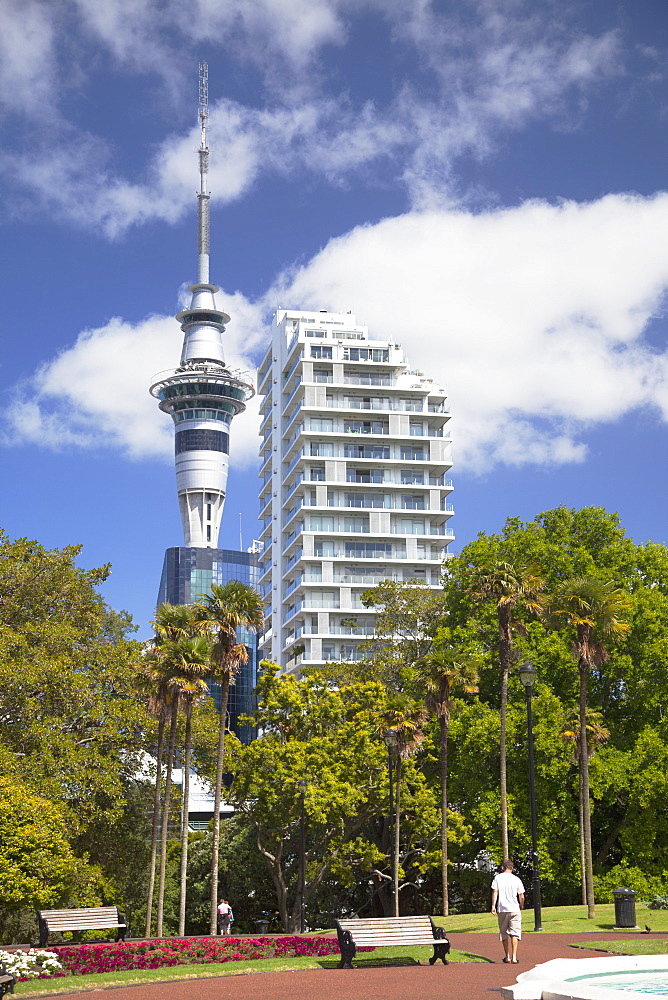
609,978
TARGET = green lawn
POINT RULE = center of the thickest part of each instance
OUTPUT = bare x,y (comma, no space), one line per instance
382,956
639,945
559,920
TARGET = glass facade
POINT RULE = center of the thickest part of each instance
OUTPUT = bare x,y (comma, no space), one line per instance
188,575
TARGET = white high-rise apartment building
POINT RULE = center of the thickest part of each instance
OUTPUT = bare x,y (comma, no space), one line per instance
355,456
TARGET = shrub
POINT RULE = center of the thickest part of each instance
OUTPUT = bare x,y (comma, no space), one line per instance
626,877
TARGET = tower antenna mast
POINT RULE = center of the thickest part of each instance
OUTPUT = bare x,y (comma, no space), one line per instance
203,196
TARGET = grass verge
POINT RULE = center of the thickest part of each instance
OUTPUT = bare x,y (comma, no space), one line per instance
558,920
383,956
636,946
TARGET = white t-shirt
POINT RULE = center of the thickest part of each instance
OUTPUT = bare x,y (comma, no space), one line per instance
508,887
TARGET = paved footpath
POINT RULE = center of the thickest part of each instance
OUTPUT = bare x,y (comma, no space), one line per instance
469,981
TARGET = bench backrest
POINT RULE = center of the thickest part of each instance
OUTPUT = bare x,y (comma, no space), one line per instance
86,918
387,929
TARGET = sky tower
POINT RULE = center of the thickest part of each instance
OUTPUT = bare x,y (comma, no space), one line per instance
202,395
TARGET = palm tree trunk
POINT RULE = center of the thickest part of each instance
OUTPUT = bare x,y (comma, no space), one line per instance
184,828
583,877
584,770
443,720
215,839
397,839
505,644
165,817
154,827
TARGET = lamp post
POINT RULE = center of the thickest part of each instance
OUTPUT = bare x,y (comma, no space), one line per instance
528,677
302,854
390,738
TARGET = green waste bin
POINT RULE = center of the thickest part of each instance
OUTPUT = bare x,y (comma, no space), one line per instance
625,907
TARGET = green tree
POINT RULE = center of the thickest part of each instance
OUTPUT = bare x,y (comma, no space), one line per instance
193,665
37,865
400,723
223,612
597,611
443,672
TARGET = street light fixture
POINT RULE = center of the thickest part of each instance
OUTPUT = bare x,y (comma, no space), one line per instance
390,738
302,854
528,677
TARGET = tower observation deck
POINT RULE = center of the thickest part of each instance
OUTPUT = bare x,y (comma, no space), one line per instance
202,395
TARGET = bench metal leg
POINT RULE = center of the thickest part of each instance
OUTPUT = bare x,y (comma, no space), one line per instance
43,932
440,951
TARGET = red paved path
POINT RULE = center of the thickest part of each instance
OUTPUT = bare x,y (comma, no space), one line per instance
470,981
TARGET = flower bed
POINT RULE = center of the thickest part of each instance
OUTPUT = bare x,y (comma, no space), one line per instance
31,964
85,959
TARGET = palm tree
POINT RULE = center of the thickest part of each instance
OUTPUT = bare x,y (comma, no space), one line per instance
173,622
506,584
444,671
222,612
593,608
596,735
158,706
191,659
404,721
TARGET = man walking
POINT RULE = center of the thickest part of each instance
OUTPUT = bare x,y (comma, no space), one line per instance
508,903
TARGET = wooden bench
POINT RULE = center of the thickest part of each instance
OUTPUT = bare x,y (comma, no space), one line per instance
86,918
7,981
390,932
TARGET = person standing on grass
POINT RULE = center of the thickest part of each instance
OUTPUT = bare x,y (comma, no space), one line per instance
224,917
508,903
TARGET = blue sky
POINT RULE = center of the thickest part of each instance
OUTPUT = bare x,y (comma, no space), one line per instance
480,180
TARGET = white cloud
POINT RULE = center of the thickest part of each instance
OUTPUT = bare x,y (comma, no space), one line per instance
490,68
533,317
95,393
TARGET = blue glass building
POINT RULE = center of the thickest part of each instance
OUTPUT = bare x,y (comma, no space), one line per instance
187,576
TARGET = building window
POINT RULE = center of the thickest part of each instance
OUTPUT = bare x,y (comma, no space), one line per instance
316,333
366,451
365,427
208,512
322,449
412,405
365,475
208,532
320,351
322,424
412,526
368,550
328,651
417,430
413,503
317,473
201,439
411,478
409,454
322,522
323,549
356,524
365,354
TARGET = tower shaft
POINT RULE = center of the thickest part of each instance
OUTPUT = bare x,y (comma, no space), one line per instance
202,395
